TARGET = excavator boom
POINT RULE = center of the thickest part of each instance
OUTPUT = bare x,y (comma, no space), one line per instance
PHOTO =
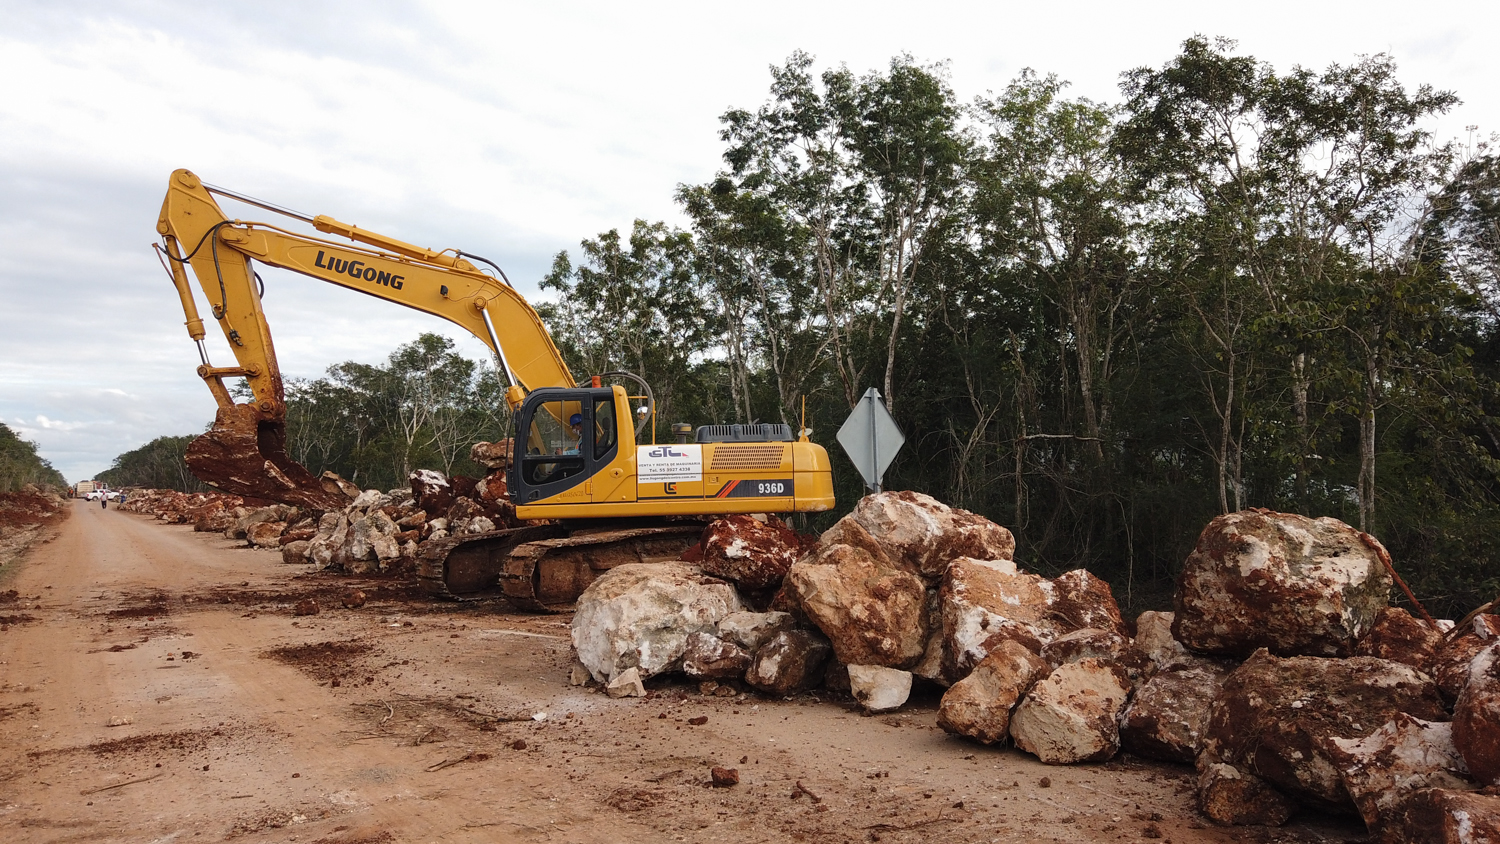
245,450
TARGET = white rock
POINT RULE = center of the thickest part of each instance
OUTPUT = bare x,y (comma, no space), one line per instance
750,630
879,689
367,499
1401,758
626,684
639,615
479,524
1073,715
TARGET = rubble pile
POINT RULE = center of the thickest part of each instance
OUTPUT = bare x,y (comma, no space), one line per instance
25,516
1282,673
376,532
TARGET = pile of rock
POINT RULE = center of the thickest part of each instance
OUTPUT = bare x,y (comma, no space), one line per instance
1282,673
376,532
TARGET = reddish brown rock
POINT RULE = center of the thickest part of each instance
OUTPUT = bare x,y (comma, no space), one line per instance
1398,635
1232,797
1293,585
708,656
353,599
979,706
306,606
1168,716
1442,816
295,553
1073,714
724,777
872,612
265,534
1476,717
982,603
1080,600
1275,717
492,488
298,535
495,455
1450,665
791,661
432,491
1382,770
923,534
1107,645
754,554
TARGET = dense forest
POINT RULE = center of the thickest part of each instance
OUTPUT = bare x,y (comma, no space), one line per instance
158,464
1099,324
21,465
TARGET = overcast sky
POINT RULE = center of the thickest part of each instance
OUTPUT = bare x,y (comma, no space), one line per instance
507,130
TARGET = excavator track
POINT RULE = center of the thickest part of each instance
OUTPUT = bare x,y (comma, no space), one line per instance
543,568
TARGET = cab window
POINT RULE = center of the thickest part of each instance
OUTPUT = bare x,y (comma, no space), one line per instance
604,427
556,429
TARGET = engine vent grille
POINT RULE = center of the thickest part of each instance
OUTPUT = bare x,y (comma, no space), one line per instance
732,458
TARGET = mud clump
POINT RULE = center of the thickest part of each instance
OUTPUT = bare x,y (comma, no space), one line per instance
323,661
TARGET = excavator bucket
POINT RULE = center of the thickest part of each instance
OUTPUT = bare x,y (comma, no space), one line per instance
245,454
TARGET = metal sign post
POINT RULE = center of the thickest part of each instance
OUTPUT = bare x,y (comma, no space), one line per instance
871,439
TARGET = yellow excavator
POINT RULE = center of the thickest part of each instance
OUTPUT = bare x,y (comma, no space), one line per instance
596,487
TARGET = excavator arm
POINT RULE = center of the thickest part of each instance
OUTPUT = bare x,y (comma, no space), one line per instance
245,451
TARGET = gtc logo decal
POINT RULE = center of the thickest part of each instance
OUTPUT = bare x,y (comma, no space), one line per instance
357,269
666,451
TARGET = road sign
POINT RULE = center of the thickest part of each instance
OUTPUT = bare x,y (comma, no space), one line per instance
871,439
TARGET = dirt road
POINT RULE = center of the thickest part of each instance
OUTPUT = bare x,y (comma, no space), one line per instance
412,721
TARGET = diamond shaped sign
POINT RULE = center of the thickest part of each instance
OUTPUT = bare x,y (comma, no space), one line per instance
871,439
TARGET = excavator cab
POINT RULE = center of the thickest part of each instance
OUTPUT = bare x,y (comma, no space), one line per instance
563,438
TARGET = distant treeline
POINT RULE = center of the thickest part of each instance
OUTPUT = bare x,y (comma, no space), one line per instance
21,465
158,464
1099,324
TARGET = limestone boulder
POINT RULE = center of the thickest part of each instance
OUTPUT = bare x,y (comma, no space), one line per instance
1231,797
1450,665
1445,816
492,488
980,705
1167,718
791,661
1080,600
1382,770
1400,636
1153,635
923,534
753,554
1476,717
1275,717
985,602
295,553
709,657
878,688
495,455
640,615
265,534
750,630
1073,714
431,490
874,613
241,526
1284,582
1108,645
